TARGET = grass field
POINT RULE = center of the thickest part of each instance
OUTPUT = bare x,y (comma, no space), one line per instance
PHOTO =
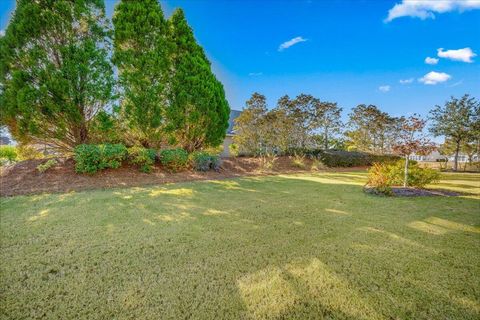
280,247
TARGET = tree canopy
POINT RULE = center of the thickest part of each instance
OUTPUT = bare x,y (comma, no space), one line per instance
54,71
457,120
198,113
141,54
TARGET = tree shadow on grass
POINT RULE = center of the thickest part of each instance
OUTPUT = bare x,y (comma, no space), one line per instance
270,247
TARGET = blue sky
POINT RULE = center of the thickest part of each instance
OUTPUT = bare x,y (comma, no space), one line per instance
343,51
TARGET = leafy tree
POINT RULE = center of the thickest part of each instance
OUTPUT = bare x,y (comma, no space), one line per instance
326,118
249,125
55,75
457,121
372,130
142,57
412,140
299,111
198,114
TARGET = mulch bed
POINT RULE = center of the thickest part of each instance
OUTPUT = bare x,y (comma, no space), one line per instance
24,178
413,192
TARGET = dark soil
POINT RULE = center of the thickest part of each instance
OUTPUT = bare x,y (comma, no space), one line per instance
24,178
413,192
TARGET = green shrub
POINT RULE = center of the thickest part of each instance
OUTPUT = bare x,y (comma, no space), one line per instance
174,159
90,158
420,177
142,157
384,175
46,165
8,154
204,161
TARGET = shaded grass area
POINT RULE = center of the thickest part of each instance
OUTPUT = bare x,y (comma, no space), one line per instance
281,247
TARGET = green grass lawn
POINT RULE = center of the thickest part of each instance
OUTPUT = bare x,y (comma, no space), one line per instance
281,247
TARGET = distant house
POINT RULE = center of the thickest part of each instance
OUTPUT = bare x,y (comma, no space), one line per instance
436,156
230,133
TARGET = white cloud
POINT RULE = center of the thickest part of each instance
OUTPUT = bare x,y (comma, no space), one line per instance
434,77
429,60
465,54
426,9
2,33
291,42
255,74
384,88
406,81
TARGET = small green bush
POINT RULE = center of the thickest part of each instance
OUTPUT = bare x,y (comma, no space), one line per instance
204,161
8,154
46,165
142,157
384,175
91,158
174,159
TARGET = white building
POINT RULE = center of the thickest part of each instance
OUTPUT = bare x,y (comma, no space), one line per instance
436,156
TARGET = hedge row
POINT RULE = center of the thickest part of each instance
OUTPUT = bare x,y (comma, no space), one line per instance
90,158
332,158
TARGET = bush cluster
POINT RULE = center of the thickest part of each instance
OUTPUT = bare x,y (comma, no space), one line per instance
91,158
382,176
204,161
142,157
174,159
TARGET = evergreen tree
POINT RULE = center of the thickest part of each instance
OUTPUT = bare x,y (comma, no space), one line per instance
141,55
198,113
55,76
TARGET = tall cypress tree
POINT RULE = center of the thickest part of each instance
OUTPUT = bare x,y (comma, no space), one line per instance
55,76
198,113
141,55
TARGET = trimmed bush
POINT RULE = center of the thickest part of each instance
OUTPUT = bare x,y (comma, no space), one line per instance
142,157
8,154
382,176
204,161
46,165
91,158
174,159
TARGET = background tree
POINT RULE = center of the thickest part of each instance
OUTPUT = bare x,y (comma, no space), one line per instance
326,118
198,114
55,75
250,124
141,53
456,120
371,130
411,140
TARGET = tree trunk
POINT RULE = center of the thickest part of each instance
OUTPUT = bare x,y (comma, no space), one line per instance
326,140
405,178
457,150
